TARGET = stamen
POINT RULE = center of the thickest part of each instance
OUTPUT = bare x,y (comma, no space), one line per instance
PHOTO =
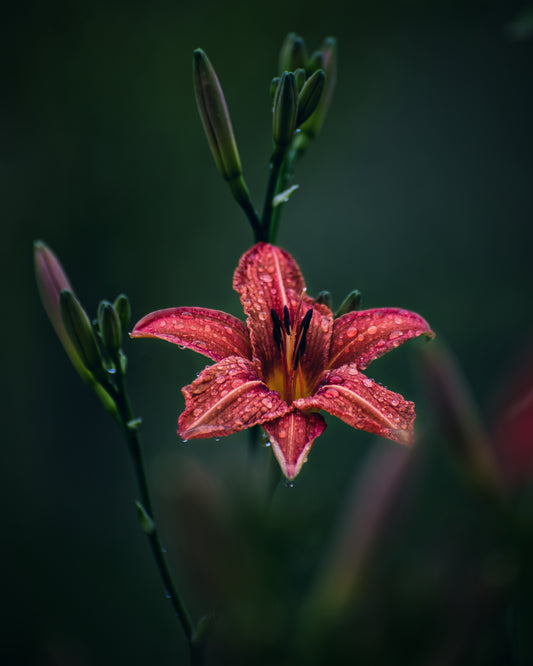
276,331
302,338
286,319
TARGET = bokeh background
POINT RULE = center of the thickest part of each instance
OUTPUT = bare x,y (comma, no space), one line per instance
418,192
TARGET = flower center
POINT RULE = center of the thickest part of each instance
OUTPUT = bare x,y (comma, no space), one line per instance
290,337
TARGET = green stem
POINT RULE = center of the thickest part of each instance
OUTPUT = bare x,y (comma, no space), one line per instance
242,197
296,151
130,429
276,163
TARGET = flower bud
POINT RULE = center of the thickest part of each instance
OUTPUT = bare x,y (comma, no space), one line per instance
310,96
328,52
274,86
285,110
51,282
350,303
123,308
80,331
299,75
293,53
324,297
110,327
316,61
215,117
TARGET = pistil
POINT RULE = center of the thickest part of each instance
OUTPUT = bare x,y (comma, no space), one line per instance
290,339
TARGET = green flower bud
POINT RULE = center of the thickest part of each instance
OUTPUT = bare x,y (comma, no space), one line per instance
324,297
274,86
299,75
123,308
285,110
310,96
328,52
110,327
80,331
293,53
316,61
350,303
215,117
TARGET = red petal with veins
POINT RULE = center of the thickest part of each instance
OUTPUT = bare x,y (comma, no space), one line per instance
215,334
361,337
291,437
363,404
268,277
225,398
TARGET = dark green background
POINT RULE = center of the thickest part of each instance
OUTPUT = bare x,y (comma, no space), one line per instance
419,192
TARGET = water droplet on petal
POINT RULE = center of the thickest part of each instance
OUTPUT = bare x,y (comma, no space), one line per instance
367,382
372,330
394,335
395,402
263,316
332,393
351,332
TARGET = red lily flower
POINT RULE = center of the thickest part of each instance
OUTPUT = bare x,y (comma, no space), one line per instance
290,361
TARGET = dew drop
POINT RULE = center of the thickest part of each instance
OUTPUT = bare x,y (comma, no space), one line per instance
262,316
372,330
395,402
351,332
182,347
367,382
266,278
394,335
282,433
332,393
324,324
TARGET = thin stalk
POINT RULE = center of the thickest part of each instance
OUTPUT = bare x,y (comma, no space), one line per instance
295,152
242,197
130,429
276,162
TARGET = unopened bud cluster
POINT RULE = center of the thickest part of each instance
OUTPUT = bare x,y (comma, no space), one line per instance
95,348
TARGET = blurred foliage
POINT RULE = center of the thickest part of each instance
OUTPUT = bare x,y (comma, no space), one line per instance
417,193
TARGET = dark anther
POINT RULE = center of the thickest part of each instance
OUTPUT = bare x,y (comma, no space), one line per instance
302,337
305,322
276,331
287,320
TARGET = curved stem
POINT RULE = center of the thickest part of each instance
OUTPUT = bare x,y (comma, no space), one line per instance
129,427
242,197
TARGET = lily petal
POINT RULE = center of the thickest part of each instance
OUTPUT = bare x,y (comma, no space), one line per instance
291,437
212,333
268,278
363,404
225,398
361,337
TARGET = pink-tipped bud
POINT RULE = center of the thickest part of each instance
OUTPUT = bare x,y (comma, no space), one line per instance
51,282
